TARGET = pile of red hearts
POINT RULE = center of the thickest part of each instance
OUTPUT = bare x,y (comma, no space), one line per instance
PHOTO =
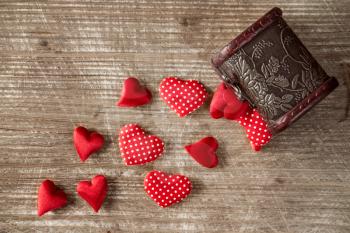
137,147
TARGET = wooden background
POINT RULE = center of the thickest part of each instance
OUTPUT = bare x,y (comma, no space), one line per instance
62,63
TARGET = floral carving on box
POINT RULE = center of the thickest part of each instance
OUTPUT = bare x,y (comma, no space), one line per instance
274,71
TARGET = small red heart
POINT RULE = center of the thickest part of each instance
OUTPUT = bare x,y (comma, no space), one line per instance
94,192
226,104
182,96
165,189
203,151
86,142
133,94
138,148
50,197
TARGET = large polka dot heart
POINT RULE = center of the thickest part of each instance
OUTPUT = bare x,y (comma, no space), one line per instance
138,148
165,189
182,96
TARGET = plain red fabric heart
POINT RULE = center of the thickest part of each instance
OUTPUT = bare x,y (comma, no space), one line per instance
86,142
138,148
204,151
50,197
226,104
165,189
182,96
256,129
133,94
93,192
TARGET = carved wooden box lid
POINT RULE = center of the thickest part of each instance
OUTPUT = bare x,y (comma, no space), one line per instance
271,68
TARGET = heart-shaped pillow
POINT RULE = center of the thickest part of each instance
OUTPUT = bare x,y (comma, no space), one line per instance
93,192
204,151
138,148
50,197
165,189
182,96
133,94
87,142
226,104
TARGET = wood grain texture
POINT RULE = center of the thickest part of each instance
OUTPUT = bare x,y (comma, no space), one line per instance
62,63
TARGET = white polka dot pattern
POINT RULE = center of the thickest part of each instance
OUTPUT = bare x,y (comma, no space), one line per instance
182,96
138,148
256,129
165,189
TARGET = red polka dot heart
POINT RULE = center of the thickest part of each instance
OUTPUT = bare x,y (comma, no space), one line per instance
181,96
165,189
138,148
256,129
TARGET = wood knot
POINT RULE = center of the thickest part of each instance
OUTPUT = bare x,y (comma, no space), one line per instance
43,43
184,22
279,180
188,21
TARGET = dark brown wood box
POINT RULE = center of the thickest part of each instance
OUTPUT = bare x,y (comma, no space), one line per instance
270,67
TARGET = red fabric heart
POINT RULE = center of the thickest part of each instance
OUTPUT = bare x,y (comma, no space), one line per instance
133,94
203,151
86,142
165,189
182,96
50,197
93,192
226,104
138,148
256,129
